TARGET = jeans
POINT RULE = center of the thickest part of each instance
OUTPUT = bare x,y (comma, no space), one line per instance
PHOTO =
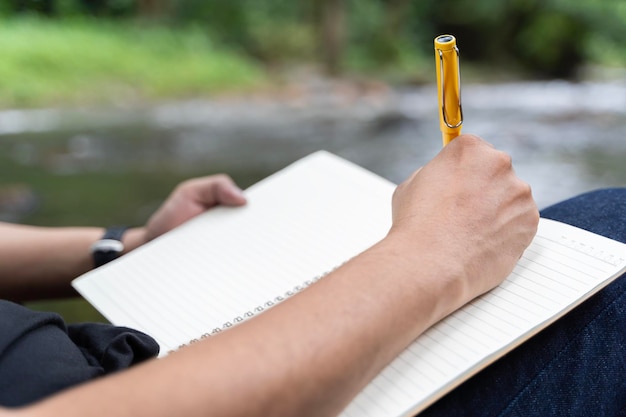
576,366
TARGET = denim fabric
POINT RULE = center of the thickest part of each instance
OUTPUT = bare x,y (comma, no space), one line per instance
575,367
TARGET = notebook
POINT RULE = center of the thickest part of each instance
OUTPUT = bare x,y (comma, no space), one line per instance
231,264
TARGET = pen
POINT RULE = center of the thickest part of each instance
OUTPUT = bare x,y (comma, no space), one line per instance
448,87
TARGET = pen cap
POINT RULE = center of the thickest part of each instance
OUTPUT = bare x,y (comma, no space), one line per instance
448,84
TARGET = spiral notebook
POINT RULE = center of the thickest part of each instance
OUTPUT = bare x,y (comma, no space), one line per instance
230,264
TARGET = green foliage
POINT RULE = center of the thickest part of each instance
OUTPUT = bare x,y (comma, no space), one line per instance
274,31
550,38
552,43
543,38
293,43
605,43
74,62
66,8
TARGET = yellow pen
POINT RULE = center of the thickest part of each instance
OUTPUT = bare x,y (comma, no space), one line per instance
448,87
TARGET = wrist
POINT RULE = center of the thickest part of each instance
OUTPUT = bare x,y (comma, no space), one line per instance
133,238
115,242
109,247
428,271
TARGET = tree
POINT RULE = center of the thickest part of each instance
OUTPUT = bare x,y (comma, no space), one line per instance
152,8
331,23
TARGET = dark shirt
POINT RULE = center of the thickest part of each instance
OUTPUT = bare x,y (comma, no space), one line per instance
41,355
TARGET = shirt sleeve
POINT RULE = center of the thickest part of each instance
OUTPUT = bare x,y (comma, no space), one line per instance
40,355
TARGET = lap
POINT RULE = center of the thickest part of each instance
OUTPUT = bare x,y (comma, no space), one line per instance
576,365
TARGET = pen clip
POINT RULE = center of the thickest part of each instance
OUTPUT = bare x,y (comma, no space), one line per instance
443,89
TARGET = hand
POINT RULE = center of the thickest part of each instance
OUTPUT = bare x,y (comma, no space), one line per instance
470,212
191,198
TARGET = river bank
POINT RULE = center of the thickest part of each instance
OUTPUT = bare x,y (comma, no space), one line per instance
565,138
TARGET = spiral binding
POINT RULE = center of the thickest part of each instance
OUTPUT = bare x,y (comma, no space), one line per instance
251,313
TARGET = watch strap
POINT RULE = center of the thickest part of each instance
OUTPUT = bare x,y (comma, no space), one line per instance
109,247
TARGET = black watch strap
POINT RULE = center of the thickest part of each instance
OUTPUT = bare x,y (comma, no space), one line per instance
109,247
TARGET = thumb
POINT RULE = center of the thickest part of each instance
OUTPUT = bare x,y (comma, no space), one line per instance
222,190
230,194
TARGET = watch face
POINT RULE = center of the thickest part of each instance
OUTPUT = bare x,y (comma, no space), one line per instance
108,245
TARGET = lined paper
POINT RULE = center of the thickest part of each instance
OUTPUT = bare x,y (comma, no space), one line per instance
232,263
229,263
562,267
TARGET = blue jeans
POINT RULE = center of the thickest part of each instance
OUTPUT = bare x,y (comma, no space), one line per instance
575,367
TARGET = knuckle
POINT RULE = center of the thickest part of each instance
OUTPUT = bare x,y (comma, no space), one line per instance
184,185
523,188
471,140
504,159
221,177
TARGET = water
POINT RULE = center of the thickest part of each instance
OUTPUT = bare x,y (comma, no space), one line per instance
565,138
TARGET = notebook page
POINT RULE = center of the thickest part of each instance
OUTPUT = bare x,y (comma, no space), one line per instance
562,267
232,263
302,222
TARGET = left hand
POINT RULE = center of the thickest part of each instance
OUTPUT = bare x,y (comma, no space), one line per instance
190,198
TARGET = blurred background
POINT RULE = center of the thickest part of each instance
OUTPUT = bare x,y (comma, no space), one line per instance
105,105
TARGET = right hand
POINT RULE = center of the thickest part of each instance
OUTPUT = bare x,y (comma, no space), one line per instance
469,212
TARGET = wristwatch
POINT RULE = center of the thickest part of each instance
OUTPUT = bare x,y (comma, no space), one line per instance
109,247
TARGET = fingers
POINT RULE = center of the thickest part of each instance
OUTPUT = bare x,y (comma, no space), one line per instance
226,192
213,190
191,198
469,204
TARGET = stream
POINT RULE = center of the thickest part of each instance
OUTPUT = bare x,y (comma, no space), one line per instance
565,138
